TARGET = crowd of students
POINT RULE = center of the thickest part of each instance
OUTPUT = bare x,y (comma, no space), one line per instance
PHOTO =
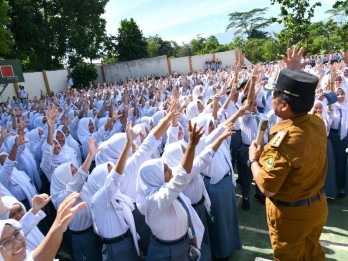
146,168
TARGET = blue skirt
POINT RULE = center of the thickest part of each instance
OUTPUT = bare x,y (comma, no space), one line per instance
223,226
330,181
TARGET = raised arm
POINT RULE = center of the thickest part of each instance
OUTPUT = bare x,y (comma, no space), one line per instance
131,136
48,248
195,135
92,151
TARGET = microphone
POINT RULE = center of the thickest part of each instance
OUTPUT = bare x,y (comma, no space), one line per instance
261,131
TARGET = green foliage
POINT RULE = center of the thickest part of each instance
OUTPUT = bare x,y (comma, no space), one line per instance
156,46
46,33
5,33
247,22
295,15
83,74
130,42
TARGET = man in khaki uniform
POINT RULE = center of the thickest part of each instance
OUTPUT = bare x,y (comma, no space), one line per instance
291,169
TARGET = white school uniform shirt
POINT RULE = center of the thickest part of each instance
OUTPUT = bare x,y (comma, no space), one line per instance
63,183
173,154
17,182
249,127
157,200
104,187
143,153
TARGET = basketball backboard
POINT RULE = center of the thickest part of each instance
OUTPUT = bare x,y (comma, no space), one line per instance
10,71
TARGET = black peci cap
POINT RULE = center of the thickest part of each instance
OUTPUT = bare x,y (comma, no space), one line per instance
297,84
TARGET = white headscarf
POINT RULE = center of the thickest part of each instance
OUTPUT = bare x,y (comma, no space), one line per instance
60,178
83,132
344,121
66,154
34,236
172,155
110,150
73,144
158,116
150,180
14,224
25,162
96,181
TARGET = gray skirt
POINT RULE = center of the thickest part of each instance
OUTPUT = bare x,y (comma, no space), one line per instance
223,226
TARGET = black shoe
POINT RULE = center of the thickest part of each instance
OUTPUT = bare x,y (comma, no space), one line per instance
245,205
341,195
260,198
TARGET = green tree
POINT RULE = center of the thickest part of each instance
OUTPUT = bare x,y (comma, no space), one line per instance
295,15
197,44
339,14
247,22
83,74
156,46
130,42
5,33
46,33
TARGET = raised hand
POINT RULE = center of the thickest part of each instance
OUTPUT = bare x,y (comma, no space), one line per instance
20,139
293,58
130,133
39,201
51,116
228,130
66,212
194,134
92,148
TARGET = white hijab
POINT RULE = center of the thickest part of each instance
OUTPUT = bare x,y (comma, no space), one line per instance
172,155
16,225
34,236
26,161
150,180
66,154
344,121
110,150
83,132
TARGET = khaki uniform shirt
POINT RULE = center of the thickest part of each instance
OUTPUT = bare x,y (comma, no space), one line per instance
294,162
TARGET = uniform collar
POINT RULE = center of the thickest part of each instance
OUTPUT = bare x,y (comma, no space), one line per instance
288,123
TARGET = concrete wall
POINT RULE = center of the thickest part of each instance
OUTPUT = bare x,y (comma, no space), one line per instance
34,83
100,73
57,80
8,92
180,65
198,61
156,66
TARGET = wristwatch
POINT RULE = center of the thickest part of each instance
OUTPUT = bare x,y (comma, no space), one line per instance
249,162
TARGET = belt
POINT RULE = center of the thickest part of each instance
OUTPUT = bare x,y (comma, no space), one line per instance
226,175
333,130
81,231
169,242
198,203
299,203
115,240
246,145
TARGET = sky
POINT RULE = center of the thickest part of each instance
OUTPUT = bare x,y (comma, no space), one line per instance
183,20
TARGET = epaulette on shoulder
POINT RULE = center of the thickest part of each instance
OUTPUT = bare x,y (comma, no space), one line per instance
278,138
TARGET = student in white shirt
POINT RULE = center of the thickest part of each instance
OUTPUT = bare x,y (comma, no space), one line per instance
68,178
158,198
